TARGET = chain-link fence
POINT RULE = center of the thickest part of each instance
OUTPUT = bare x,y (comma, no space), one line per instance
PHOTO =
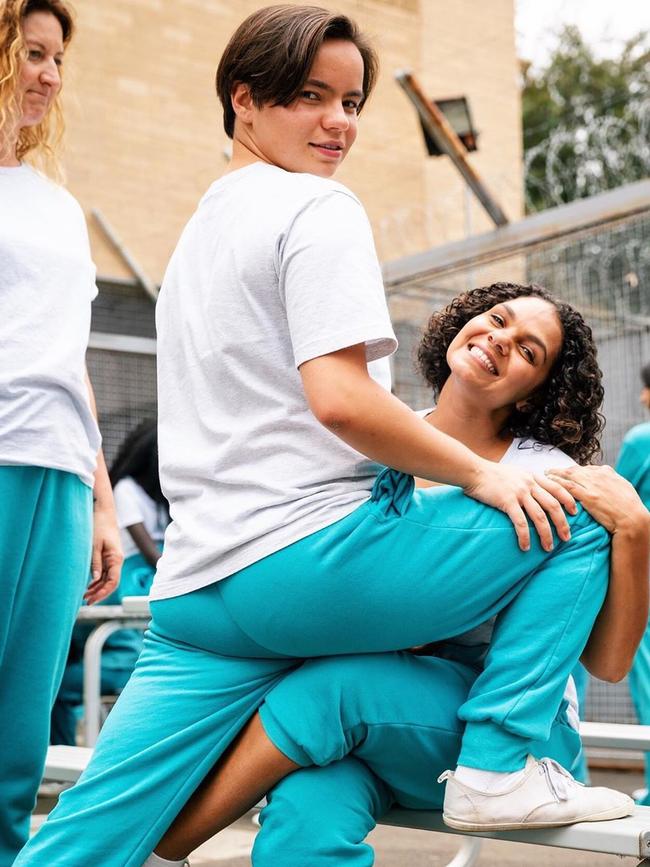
122,361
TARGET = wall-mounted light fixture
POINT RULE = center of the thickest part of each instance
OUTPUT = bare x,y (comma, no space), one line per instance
457,111
446,139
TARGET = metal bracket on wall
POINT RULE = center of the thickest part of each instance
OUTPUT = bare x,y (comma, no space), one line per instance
138,272
448,142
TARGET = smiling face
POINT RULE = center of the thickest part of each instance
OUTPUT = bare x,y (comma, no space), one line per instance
506,353
315,132
40,78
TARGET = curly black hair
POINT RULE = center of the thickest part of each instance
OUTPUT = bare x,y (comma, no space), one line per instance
645,375
564,412
138,457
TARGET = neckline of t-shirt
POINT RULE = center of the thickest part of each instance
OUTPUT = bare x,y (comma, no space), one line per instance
258,166
8,170
514,445
231,177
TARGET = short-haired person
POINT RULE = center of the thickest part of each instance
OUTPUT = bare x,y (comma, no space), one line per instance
51,466
395,716
634,464
290,536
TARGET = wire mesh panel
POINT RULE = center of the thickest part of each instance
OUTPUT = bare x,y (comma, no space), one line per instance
125,389
123,308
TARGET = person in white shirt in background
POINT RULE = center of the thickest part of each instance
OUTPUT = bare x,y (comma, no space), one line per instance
57,519
142,509
142,516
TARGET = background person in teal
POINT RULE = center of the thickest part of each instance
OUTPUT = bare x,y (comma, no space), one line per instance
634,463
142,516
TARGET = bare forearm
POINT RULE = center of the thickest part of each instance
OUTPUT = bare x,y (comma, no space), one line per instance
102,491
145,543
387,431
624,615
380,426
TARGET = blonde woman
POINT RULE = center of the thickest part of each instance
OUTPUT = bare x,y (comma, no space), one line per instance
54,491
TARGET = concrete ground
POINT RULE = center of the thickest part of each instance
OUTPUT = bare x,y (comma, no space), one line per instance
398,847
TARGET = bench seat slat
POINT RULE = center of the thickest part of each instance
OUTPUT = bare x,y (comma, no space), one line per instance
630,836
615,736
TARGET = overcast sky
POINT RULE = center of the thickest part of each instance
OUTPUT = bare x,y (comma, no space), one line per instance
605,24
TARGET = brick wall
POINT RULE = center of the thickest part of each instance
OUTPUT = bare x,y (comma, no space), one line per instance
144,127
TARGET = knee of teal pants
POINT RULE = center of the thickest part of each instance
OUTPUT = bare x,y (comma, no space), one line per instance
45,539
393,718
320,817
396,712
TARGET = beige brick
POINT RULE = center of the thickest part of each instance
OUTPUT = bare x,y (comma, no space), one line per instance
144,127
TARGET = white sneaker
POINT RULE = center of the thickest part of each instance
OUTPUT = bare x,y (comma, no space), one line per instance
545,796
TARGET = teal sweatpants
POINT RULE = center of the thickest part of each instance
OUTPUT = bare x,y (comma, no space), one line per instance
372,731
639,680
405,568
45,546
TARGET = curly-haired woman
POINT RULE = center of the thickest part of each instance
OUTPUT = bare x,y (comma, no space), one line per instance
364,732
288,539
50,462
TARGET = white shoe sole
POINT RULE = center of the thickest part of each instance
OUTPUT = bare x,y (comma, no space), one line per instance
459,825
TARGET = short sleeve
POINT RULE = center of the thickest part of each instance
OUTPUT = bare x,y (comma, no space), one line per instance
127,503
330,281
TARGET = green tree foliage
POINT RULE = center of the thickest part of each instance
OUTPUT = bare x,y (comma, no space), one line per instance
586,121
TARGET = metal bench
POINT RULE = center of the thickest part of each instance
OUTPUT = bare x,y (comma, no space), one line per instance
630,836
625,837
133,613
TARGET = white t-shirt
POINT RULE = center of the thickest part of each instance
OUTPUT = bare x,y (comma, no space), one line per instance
47,281
134,506
274,268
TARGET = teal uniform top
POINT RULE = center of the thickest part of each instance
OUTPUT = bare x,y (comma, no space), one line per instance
634,460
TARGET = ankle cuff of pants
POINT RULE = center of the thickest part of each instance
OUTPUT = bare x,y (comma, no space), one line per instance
491,748
281,739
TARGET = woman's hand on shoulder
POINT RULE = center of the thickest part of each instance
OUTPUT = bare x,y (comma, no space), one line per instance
607,496
523,495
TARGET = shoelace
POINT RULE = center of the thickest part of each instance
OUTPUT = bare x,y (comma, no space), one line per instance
558,778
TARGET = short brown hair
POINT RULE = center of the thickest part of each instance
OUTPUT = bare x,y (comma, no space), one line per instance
46,136
273,50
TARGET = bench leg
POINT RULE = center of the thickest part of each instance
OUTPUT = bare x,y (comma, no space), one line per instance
468,853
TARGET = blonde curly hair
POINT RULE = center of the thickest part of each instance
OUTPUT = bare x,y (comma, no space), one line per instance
40,143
